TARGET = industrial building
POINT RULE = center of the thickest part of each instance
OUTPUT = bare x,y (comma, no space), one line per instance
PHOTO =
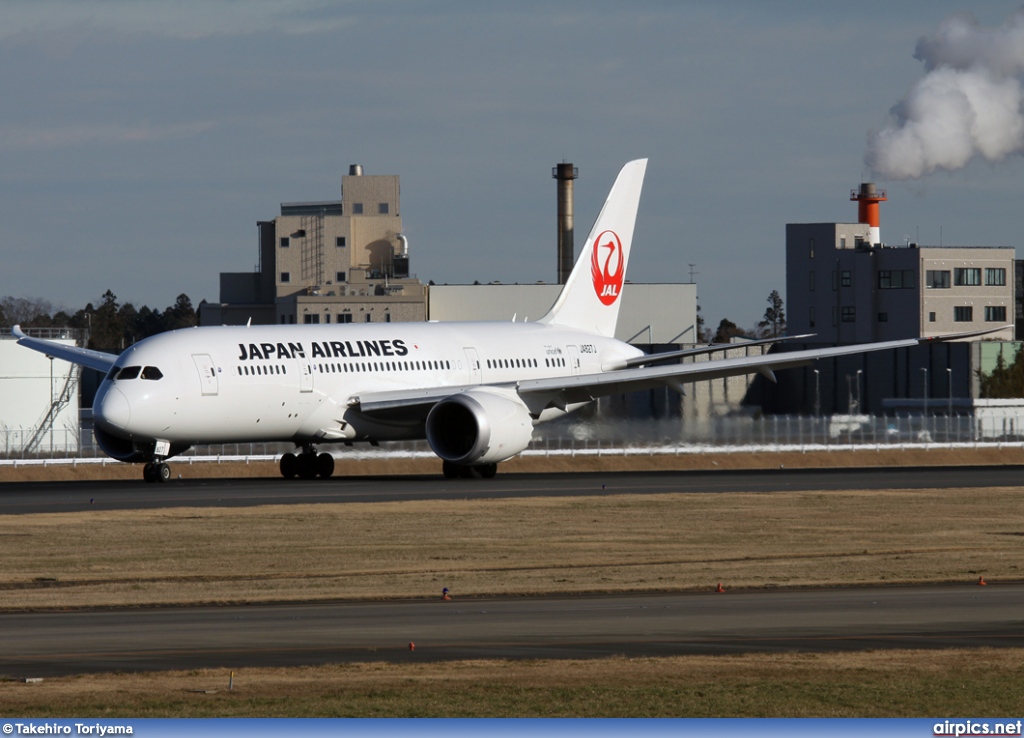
847,286
337,261
346,260
39,396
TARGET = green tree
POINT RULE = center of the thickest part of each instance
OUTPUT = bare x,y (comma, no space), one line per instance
107,329
726,330
774,323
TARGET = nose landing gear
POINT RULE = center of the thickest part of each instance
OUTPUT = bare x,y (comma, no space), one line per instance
156,471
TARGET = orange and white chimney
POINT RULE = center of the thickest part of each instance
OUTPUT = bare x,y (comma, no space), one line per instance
868,197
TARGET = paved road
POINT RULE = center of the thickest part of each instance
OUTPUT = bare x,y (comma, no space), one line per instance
46,644
33,497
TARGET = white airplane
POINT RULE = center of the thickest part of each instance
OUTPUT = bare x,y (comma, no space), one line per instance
474,390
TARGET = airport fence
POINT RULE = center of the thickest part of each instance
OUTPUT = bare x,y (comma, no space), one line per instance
603,437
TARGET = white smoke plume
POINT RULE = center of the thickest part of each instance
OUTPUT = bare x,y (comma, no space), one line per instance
968,103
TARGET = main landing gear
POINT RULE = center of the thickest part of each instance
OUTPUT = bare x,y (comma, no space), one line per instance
307,465
156,471
458,471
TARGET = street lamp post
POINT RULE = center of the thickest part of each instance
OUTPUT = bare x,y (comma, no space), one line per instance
817,392
924,393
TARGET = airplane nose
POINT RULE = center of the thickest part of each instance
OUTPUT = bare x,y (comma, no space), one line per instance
112,409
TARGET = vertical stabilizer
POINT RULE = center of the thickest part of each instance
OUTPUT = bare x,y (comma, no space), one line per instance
591,297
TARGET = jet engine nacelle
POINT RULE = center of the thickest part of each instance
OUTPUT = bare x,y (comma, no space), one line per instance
480,426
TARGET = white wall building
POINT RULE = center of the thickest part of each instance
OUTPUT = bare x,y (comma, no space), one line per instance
38,397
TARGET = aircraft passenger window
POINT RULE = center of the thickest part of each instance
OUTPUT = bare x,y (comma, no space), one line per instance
129,372
151,372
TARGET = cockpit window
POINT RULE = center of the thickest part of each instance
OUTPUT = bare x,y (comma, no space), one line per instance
129,372
151,372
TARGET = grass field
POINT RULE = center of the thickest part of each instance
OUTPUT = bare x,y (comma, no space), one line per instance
539,545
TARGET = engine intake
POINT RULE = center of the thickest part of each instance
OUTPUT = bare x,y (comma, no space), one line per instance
479,427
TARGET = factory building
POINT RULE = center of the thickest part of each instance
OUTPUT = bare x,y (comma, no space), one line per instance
846,286
337,261
347,261
38,396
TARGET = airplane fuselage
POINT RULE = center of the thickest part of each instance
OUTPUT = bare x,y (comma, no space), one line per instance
303,382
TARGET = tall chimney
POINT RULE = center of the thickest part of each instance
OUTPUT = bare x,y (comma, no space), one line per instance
565,173
867,208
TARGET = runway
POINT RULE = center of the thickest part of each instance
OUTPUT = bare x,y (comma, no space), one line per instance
49,644
37,497
55,643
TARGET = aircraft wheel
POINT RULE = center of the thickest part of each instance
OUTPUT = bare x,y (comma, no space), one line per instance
450,470
487,471
149,472
163,473
325,465
289,466
307,466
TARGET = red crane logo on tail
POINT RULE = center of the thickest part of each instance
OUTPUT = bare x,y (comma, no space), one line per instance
607,267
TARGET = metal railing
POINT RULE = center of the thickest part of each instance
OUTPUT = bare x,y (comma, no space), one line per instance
607,437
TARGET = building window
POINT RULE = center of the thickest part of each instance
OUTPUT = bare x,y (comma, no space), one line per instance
811,320
995,314
383,208
310,319
963,314
357,208
369,318
811,283
339,276
967,277
883,317
387,317
286,277
850,314
896,279
327,317
995,277
936,279
812,248
931,317
345,318
846,279
285,242
340,242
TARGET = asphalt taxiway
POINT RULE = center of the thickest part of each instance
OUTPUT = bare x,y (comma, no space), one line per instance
48,644
36,497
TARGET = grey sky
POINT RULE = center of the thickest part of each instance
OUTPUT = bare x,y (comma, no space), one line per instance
140,142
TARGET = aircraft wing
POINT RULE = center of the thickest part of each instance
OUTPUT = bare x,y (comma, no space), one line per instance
97,360
563,391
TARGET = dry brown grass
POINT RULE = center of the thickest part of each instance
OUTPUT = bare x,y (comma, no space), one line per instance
673,541
866,684
894,457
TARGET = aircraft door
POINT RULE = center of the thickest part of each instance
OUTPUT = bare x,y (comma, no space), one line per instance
305,373
574,359
473,362
207,373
